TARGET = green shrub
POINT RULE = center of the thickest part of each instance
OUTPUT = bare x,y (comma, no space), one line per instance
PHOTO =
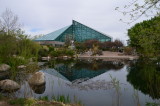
62,52
43,53
51,48
55,53
18,45
69,53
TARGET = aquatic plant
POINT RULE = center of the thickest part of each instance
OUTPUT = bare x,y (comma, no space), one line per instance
61,98
44,98
152,104
116,85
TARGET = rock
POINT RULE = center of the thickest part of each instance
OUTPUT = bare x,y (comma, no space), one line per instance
21,67
9,85
37,79
4,67
46,58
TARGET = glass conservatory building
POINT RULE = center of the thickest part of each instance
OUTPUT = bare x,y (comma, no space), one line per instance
76,32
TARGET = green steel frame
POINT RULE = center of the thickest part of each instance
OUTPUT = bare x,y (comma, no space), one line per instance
77,32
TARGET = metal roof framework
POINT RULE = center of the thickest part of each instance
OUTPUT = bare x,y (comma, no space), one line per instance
77,32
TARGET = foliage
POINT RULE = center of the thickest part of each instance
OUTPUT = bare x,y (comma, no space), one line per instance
90,43
62,52
152,104
145,37
61,98
117,43
44,51
13,43
128,50
28,48
8,46
14,47
44,98
55,53
96,50
150,82
69,52
51,48
22,102
80,47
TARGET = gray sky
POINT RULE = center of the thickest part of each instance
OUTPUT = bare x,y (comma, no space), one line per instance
45,16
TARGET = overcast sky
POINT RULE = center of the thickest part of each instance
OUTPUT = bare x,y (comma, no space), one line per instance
45,16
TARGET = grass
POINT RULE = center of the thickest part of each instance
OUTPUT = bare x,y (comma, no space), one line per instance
22,102
116,85
61,98
44,98
152,104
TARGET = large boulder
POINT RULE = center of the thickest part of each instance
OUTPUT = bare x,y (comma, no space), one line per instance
9,85
37,79
4,67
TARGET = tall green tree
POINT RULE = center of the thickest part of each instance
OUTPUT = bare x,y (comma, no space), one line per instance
145,37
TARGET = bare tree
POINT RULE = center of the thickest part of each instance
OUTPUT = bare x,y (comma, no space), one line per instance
137,8
9,22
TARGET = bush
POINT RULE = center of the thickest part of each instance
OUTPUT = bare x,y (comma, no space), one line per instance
51,48
128,51
62,52
69,53
43,53
8,46
14,45
55,53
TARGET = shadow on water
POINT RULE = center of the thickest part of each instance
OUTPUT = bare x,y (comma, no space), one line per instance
38,89
144,75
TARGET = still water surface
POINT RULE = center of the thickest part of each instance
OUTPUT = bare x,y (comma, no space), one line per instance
95,82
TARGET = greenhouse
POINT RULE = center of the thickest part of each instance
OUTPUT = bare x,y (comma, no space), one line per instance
76,32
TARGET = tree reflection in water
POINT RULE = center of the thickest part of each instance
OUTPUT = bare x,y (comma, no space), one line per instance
144,75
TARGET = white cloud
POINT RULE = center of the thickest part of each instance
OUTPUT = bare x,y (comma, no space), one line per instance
45,16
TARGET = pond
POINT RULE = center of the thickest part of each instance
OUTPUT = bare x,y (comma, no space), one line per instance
97,82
